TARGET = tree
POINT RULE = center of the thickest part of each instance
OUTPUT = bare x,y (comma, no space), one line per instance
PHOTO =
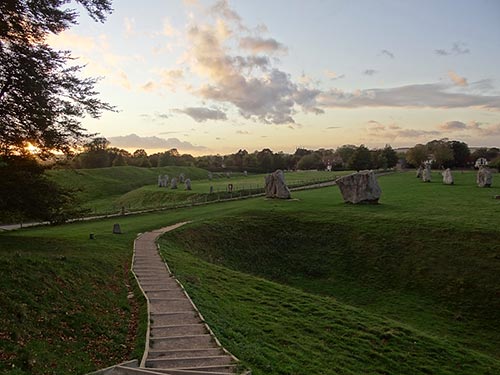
42,97
310,161
345,152
390,156
461,153
27,194
360,159
417,155
441,151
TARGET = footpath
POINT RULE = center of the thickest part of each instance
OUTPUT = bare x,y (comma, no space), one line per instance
178,341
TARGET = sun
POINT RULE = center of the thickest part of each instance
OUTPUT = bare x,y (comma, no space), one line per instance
33,150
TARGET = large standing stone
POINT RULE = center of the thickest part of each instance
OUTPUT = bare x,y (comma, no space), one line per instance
419,172
187,183
361,187
447,177
426,173
484,177
182,178
117,229
275,185
173,183
163,181
210,176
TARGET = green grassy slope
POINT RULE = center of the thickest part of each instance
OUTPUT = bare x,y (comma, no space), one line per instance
151,196
275,329
72,287
101,187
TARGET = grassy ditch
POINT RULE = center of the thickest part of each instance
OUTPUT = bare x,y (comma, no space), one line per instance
277,329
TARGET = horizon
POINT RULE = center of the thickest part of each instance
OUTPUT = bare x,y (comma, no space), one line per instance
212,77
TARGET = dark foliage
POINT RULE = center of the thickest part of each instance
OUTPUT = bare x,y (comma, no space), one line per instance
27,194
42,98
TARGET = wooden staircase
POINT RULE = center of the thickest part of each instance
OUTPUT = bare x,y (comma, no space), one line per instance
178,342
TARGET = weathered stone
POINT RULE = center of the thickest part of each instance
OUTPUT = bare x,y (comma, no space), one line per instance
481,162
117,229
484,177
163,181
173,183
245,173
182,178
447,177
210,176
276,186
426,173
187,184
419,172
361,187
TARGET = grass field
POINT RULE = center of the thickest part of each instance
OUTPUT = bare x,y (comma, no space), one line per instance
305,286
100,188
107,190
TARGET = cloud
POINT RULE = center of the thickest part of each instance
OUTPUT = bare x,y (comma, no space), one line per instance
129,26
242,132
458,48
68,39
433,95
369,72
387,53
473,127
155,117
333,127
251,83
459,81
201,114
453,126
258,45
135,141
376,129
148,86
168,29
332,75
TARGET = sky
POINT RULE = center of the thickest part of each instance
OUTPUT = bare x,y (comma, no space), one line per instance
210,77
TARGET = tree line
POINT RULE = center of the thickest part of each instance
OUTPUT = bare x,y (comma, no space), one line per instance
99,154
442,153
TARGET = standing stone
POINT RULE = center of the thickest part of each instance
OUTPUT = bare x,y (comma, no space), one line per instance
187,183
182,178
426,173
245,173
361,187
211,189
163,181
275,185
173,183
210,176
419,172
447,177
117,229
484,177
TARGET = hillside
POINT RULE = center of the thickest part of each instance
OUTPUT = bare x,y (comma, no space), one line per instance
308,285
99,188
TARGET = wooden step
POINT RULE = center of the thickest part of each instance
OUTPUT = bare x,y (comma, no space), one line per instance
176,318
180,353
177,330
182,342
189,362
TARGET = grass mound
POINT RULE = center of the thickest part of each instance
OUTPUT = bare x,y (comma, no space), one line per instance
99,188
